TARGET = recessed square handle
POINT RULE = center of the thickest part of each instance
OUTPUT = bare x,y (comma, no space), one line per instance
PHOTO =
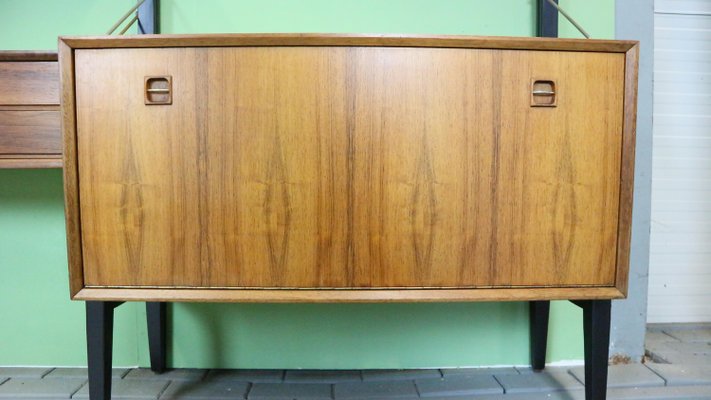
158,90
543,93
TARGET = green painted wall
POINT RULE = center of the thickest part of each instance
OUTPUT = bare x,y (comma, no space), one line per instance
40,326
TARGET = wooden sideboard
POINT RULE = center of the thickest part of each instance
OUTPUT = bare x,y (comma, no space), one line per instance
350,168
332,168
30,136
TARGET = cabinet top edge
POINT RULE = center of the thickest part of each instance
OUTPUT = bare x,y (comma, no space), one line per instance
27,55
346,40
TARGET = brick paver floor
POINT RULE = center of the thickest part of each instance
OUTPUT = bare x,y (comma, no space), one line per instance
678,366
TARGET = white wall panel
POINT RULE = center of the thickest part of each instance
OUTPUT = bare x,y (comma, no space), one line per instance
682,6
680,244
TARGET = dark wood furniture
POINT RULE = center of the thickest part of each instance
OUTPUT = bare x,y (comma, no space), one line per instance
349,168
29,110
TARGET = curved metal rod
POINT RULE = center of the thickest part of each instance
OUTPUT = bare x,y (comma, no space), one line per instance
120,21
570,19
125,28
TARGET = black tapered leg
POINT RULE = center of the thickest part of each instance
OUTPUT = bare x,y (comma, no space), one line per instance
596,329
156,318
539,312
99,340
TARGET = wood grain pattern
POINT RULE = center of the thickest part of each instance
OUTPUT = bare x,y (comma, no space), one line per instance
30,132
70,171
27,55
25,107
354,40
30,162
29,83
29,110
347,296
624,236
339,167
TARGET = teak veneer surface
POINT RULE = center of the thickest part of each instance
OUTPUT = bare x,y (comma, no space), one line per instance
346,40
344,295
28,55
30,135
29,82
29,132
411,168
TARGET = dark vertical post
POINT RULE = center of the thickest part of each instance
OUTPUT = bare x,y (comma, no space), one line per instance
539,312
99,340
547,19
596,326
156,320
148,17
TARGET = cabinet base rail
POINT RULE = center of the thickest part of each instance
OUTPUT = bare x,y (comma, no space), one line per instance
100,322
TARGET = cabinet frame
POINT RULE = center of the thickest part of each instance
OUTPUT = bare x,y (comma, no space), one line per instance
78,291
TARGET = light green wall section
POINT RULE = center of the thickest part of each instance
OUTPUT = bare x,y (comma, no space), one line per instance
48,329
370,16
35,24
39,325
365,335
596,17
456,17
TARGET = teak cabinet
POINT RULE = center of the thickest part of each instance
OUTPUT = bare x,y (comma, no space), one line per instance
310,168
29,110
287,168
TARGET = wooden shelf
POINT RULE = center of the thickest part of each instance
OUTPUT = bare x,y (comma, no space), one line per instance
31,162
30,135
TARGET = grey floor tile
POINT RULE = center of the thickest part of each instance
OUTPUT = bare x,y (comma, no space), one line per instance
675,357
81,373
653,337
24,372
681,347
247,375
654,356
206,390
375,390
448,372
382,375
459,385
553,370
661,393
24,388
678,374
571,395
321,376
627,375
538,382
690,335
140,389
273,391
178,374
